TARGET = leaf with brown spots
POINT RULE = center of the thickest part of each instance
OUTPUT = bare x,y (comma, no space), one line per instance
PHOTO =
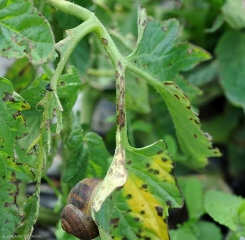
12,170
141,206
19,38
158,59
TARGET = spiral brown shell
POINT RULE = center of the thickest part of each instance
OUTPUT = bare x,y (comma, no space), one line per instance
76,216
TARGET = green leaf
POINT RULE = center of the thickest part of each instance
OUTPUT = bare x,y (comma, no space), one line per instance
182,234
52,109
193,194
88,157
12,171
230,54
140,207
201,230
233,11
223,208
24,32
159,56
203,74
157,59
67,89
137,97
207,230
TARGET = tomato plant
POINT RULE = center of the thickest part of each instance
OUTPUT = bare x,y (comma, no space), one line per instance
69,55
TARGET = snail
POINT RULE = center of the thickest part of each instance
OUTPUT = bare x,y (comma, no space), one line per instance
76,216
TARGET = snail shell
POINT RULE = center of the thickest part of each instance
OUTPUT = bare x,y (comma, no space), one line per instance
76,216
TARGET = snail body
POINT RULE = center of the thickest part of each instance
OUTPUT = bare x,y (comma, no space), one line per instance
76,216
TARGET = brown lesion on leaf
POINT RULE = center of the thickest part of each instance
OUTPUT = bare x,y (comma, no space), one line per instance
156,172
136,219
159,211
195,136
129,196
8,97
176,96
16,115
114,220
117,74
160,152
169,203
168,83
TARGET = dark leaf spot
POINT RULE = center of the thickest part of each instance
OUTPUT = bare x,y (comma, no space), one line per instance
176,96
147,165
142,212
159,211
144,186
160,152
129,196
8,97
114,220
195,136
168,83
169,203
164,159
156,172
17,114
197,122
129,162
150,170
136,219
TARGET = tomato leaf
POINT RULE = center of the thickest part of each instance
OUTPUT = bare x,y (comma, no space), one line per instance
19,38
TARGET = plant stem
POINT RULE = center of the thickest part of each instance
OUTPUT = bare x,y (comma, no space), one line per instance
116,58
66,48
47,70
